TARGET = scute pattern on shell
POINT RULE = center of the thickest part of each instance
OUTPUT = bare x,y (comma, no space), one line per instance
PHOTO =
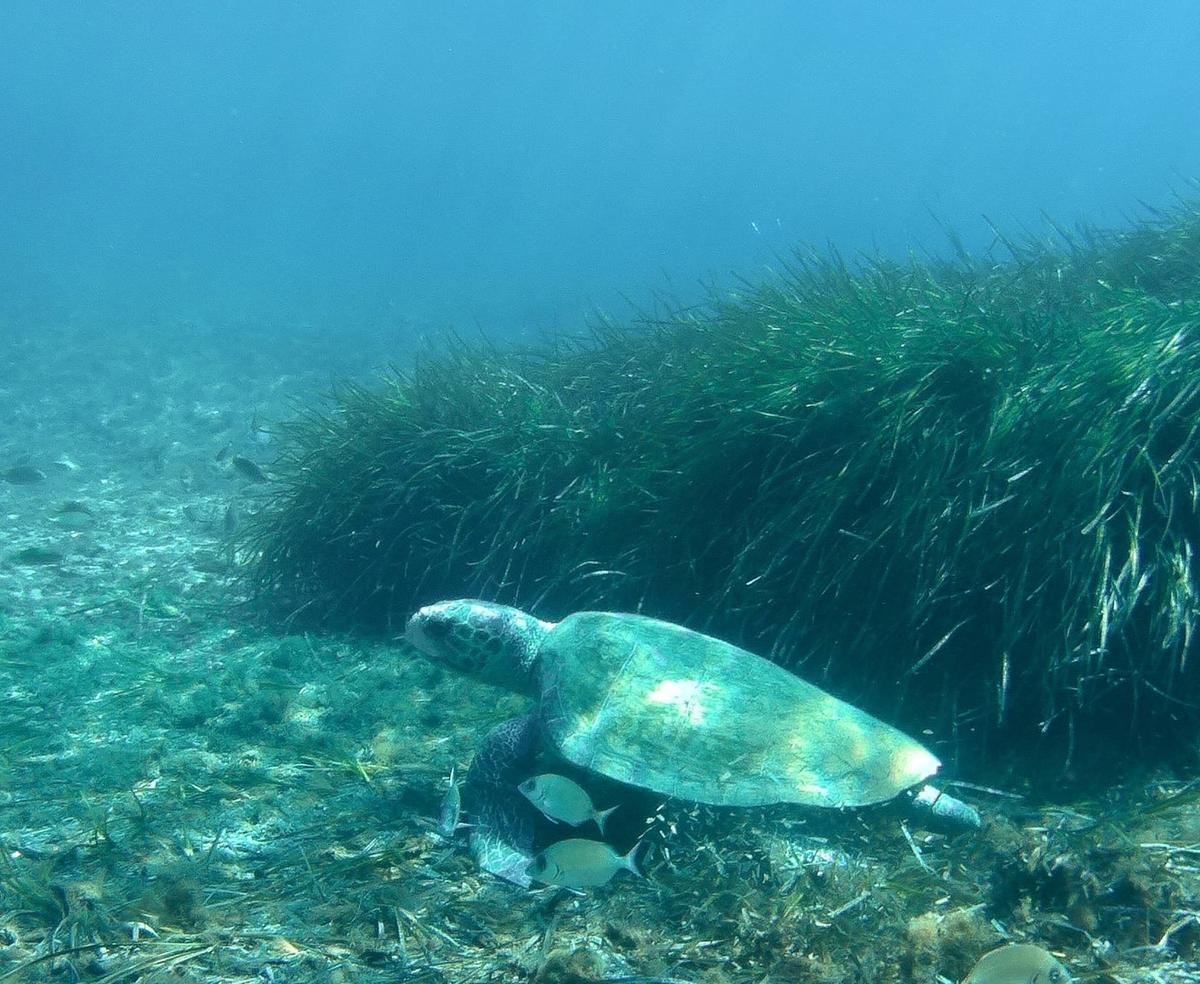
659,706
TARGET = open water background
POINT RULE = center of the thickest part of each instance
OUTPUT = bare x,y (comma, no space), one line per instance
515,165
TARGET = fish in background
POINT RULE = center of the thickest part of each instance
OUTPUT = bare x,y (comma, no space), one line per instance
23,475
259,433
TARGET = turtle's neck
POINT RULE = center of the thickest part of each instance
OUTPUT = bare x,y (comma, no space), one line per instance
510,653
528,635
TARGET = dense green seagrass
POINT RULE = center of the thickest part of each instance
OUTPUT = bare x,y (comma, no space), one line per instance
964,495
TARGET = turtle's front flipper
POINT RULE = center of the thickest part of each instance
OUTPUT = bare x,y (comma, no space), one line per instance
936,810
501,838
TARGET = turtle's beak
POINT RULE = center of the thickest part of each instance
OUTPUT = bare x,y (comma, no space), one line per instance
431,631
415,637
422,629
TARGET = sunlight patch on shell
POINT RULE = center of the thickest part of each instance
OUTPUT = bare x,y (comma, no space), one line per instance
686,696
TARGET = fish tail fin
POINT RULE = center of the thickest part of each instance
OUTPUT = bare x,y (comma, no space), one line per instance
602,815
629,861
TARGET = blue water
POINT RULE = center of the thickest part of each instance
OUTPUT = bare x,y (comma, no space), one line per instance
513,164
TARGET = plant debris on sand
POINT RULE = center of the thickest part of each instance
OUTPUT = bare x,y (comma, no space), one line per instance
230,807
188,798
965,494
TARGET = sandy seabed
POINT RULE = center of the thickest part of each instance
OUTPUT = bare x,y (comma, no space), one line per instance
189,792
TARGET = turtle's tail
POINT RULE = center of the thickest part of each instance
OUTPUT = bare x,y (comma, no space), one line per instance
940,811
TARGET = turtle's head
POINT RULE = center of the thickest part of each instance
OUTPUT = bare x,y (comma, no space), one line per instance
493,643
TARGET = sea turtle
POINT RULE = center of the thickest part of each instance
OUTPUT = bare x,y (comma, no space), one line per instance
661,707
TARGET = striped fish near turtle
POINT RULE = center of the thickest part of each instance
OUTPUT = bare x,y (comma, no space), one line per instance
666,709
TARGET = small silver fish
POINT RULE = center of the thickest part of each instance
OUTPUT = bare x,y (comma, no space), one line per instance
73,514
561,799
38,556
451,813
23,475
231,520
248,469
1018,963
579,863
258,432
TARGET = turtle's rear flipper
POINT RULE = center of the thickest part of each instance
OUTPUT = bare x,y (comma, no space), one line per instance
501,839
940,811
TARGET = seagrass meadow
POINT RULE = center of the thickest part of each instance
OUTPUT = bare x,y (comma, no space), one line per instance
963,494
